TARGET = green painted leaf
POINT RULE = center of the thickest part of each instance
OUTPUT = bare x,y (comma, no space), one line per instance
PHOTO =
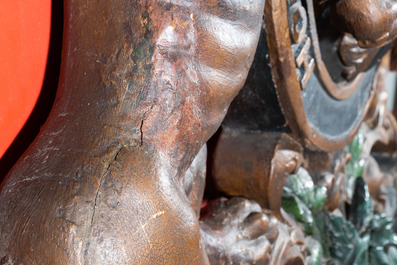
302,199
362,251
301,184
380,221
355,167
392,254
355,148
295,206
315,251
382,234
343,239
319,199
321,232
361,210
378,256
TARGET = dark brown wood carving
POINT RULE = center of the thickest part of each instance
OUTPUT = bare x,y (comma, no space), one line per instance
118,171
143,86
239,231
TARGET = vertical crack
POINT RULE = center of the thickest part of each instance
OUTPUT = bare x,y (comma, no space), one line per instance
89,230
140,130
100,183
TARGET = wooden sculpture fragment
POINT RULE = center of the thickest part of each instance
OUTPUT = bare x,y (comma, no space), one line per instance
143,86
117,174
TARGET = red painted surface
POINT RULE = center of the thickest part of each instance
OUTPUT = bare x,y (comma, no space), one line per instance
24,41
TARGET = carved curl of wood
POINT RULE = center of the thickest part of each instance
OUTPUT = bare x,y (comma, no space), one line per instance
239,231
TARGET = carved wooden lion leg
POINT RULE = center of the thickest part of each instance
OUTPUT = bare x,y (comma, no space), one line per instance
143,85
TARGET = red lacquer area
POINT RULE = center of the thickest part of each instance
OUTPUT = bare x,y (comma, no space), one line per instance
24,41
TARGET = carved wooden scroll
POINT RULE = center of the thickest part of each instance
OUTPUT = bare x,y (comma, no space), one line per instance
255,165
